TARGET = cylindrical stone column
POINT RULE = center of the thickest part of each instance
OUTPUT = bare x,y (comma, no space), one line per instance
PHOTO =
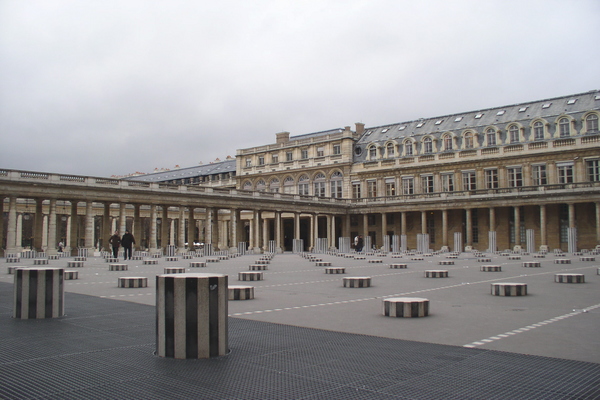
39,293
191,315
11,229
52,228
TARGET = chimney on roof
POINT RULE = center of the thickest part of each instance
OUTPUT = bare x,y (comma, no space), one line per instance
360,128
283,137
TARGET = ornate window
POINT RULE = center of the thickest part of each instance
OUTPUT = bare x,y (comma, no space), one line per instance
247,185
538,131
372,152
319,185
513,134
469,180
491,178
372,188
490,135
447,182
303,185
408,148
336,184
408,185
427,145
261,185
427,183
274,185
591,123
288,185
468,140
564,127
448,142
538,174
390,150
515,176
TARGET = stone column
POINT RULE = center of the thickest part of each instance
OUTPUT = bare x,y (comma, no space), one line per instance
334,243
296,225
256,230
172,232
89,227
181,231
445,229
543,230
597,223
403,223
20,231
314,230
52,228
1,224
153,215
11,229
517,212
469,226
234,231
572,222
366,227
423,222
191,229
347,226
209,226
278,231
384,227
329,235
265,233
38,225
492,219
164,228
106,225
137,227
45,233
122,219
73,229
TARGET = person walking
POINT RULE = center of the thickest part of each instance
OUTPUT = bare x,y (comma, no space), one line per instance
115,242
360,244
127,241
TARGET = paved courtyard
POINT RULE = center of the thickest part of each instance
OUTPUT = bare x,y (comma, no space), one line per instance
557,320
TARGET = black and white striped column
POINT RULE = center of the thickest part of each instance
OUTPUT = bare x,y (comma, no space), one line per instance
191,315
39,293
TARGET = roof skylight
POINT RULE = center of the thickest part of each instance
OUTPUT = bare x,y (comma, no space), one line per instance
572,101
458,119
501,112
420,124
546,105
439,121
523,109
385,130
403,127
478,116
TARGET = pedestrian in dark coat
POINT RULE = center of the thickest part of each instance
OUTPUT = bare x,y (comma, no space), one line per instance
127,241
115,242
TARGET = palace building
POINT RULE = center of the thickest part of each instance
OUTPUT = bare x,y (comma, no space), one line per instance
522,176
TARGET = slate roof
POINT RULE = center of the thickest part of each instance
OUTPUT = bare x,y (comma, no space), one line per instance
188,172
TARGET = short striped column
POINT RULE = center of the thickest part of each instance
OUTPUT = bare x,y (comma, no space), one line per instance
197,264
323,263
562,261
491,268
71,275
397,266
39,293
436,273
446,262
132,282
150,261
357,282
212,260
531,264
13,260
241,292
509,289
75,264
406,307
484,259
78,258
335,270
569,278
171,259
174,270
191,315
258,267
587,258
417,258
375,261
262,262
111,260
117,267
11,270
514,257
250,276
539,255
40,261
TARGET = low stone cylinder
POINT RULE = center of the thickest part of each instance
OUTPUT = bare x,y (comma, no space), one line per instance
77,258
539,256
191,313
484,259
357,281
212,260
514,257
360,257
223,257
452,257
11,270
75,264
71,275
323,263
417,258
39,293
587,258
396,255
241,292
562,261
375,261
446,262
132,282
117,267
187,256
335,270
569,278
150,262
262,262
398,266
436,273
174,270
509,289
111,260
171,259
197,264
491,268
13,259
250,276
257,267
40,261
405,307
531,264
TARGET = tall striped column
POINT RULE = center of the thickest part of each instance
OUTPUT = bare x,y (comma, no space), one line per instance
493,246
403,243
530,240
572,238
458,245
395,244
39,293
191,315
298,245
344,244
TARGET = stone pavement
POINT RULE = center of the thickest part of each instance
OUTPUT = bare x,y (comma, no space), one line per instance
306,336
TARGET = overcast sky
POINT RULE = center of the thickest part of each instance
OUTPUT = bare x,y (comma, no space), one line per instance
111,87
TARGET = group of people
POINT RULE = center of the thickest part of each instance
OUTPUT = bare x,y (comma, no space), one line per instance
127,241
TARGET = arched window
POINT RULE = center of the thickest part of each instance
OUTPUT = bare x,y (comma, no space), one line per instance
319,185
591,123
448,142
391,150
408,148
336,184
564,127
261,186
288,185
274,185
247,185
490,136
303,185
468,140
538,131
372,152
513,134
427,145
